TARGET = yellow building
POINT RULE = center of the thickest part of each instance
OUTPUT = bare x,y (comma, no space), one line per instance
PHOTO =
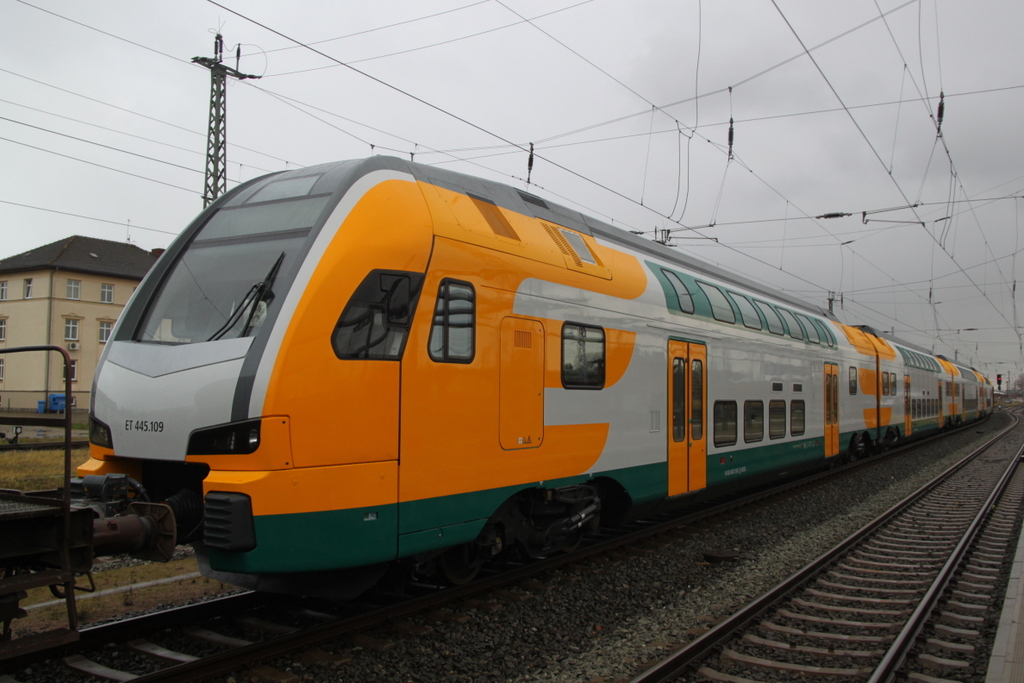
68,293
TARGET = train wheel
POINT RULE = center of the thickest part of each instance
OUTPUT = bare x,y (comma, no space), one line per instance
858,447
573,541
460,564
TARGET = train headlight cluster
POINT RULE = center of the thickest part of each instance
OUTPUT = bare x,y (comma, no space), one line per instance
99,433
239,438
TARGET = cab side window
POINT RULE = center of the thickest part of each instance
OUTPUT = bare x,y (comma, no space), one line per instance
376,320
453,332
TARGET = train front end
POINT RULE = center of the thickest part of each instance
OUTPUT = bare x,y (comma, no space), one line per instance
218,416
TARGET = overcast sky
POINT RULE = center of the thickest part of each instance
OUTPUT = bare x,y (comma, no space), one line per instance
103,122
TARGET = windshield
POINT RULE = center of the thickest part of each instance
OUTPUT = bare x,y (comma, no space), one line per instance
223,284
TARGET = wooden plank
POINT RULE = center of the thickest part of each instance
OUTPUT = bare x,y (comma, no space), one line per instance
87,666
159,652
216,638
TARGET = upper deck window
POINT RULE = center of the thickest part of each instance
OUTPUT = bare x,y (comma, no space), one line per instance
812,331
747,311
774,321
794,327
682,292
720,307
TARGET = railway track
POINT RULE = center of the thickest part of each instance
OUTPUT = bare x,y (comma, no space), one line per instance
235,633
909,593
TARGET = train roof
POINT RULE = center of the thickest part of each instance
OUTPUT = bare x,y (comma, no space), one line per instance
529,204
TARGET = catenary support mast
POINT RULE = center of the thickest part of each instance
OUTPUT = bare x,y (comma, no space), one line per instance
217,135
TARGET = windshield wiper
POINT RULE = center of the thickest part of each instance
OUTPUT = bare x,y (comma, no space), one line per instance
260,291
264,293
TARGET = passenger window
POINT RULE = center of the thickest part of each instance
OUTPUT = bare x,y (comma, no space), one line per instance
697,400
376,320
796,418
720,307
853,380
885,384
892,383
725,423
453,332
774,321
682,293
753,421
776,419
678,399
583,357
747,311
812,332
794,327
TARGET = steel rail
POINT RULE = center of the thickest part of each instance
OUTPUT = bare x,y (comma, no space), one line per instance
894,658
677,664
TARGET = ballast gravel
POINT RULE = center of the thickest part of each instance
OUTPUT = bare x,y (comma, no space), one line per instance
602,621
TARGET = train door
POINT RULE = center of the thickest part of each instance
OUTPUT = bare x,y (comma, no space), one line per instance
831,409
908,421
942,404
521,384
687,399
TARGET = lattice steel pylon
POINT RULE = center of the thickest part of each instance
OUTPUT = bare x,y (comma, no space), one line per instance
217,135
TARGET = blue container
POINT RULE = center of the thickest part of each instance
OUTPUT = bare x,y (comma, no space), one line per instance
56,404
41,407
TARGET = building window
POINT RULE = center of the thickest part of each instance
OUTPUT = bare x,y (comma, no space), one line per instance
74,289
3,290
105,327
3,329
725,423
583,357
70,329
106,294
2,369
28,288
753,421
74,372
453,332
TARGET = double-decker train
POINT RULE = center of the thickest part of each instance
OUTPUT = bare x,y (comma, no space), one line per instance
376,363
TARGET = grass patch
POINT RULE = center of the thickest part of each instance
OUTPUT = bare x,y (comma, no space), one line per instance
37,470
95,608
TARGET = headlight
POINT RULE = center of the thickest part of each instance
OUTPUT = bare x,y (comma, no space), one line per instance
99,433
243,437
